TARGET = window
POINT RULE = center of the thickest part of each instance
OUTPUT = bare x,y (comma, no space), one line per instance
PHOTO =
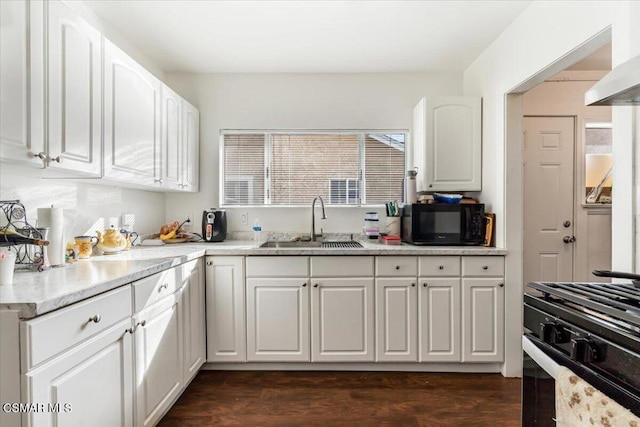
598,163
291,168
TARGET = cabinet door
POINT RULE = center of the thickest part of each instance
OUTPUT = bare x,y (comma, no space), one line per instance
447,144
278,320
191,147
158,359
89,385
439,320
225,309
75,92
194,318
396,320
342,320
22,82
172,150
482,320
131,120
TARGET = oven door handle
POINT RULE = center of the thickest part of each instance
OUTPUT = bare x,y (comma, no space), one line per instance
548,364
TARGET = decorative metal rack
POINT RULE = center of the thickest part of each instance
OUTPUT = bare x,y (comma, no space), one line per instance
15,218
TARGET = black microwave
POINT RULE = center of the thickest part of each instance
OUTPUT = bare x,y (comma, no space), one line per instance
443,224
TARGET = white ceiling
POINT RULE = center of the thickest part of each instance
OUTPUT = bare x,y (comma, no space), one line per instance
309,36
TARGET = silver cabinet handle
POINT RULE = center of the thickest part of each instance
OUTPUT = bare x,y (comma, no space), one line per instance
164,286
130,330
159,181
41,155
143,323
57,159
96,319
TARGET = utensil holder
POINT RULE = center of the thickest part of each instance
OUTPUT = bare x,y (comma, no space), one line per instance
392,226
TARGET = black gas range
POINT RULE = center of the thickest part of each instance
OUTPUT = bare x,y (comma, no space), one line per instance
592,329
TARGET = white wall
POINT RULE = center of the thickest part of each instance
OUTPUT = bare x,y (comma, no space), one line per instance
542,39
296,101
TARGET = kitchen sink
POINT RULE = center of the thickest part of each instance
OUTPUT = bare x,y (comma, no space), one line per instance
310,244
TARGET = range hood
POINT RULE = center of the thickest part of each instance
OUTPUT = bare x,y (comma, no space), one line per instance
620,87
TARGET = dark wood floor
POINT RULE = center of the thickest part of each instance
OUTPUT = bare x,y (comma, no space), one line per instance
241,398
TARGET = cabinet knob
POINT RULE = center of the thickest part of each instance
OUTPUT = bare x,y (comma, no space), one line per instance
441,267
209,263
95,319
425,284
130,330
397,267
501,285
430,185
413,284
163,286
143,323
485,267
315,285
159,181
41,155
57,159
304,284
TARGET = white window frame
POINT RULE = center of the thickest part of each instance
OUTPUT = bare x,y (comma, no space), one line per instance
267,160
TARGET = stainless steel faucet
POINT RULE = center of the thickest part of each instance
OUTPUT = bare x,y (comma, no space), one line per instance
313,217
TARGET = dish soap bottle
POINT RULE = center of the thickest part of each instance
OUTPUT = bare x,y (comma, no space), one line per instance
256,230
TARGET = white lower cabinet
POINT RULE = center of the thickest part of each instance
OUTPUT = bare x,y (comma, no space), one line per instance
439,319
158,359
482,319
90,385
194,331
225,311
342,320
396,320
278,319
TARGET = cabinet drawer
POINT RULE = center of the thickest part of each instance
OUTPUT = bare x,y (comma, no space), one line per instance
341,266
278,266
483,266
48,335
396,266
153,288
439,265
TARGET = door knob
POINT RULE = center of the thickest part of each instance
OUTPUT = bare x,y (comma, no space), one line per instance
568,239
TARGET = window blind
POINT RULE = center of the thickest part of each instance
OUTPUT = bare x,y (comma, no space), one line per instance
286,168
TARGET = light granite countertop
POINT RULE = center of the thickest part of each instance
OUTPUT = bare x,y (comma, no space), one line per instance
34,294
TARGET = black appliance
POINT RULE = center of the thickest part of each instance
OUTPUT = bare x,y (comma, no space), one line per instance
444,224
214,225
593,329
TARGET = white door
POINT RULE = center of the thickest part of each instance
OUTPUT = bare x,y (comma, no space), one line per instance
75,92
482,320
278,320
88,385
396,320
22,82
439,320
548,198
448,144
194,317
342,320
191,147
225,309
132,102
172,150
158,359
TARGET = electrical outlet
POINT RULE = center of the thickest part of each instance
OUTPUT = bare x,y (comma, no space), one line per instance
244,219
191,218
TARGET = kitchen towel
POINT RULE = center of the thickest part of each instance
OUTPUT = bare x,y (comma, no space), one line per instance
54,219
579,404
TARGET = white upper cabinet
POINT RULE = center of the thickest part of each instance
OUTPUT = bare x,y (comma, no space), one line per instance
172,144
22,82
447,148
75,92
132,103
191,147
